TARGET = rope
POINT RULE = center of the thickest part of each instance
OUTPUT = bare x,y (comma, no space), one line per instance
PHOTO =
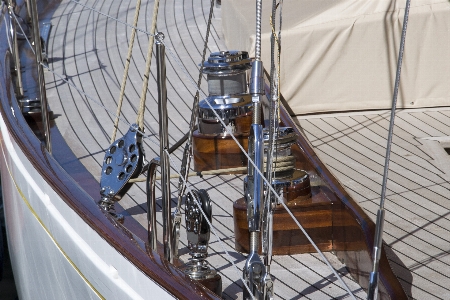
125,72
279,167
140,115
277,40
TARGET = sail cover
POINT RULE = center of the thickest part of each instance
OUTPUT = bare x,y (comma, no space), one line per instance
341,55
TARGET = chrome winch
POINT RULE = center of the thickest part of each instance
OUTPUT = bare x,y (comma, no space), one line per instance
227,86
227,109
285,175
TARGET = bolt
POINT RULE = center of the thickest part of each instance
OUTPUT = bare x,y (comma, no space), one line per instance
256,268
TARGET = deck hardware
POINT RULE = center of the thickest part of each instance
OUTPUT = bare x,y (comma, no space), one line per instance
197,227
228,108
227,86
254,271
198,234
372,292
151,202
164,145
123,160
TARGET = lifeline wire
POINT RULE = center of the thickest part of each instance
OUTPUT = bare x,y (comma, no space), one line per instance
111,17
190,79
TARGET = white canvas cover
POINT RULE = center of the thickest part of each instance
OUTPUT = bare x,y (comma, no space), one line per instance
340,55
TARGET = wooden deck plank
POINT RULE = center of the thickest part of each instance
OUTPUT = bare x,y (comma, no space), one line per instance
433,119
375,142
417,121
403,138
439,116
362,186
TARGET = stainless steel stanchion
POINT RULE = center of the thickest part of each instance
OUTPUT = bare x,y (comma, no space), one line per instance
164,145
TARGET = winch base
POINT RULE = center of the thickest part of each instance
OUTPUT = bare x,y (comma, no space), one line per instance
217,151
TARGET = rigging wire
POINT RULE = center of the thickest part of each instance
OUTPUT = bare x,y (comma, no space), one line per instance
151,136
378,239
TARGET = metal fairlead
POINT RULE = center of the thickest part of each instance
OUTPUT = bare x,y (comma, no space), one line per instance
123,161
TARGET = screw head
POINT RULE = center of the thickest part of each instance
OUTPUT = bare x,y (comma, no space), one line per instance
257,268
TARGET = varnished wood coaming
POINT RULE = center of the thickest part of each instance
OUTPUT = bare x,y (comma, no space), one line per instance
80,191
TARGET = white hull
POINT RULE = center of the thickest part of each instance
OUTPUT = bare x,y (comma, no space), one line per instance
54,253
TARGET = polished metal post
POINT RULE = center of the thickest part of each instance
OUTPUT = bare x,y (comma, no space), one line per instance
164,146
17,67
41,80
151,202
372,292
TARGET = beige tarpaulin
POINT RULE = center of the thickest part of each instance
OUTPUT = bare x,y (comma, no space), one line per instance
340,55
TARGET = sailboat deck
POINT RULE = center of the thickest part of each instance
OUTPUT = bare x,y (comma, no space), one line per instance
89,50
353,146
